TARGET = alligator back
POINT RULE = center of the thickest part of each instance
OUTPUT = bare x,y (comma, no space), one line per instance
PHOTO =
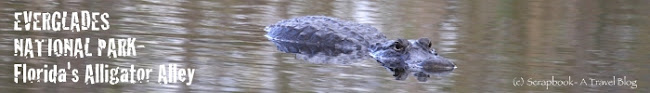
320,35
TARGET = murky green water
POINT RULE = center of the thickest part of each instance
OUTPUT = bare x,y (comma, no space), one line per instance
492,41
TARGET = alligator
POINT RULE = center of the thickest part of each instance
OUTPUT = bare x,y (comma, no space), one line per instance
338,41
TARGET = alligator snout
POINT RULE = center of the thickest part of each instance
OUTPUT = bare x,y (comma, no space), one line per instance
437,63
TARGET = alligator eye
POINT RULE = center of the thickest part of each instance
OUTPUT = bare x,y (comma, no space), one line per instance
398,46
425,41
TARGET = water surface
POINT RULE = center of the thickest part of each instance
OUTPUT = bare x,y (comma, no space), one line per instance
491,41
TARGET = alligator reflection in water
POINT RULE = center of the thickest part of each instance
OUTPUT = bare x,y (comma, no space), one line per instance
322,39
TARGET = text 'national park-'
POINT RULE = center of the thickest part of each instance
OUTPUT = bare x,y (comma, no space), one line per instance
75,47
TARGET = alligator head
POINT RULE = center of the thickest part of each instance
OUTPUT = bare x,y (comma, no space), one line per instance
403,56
